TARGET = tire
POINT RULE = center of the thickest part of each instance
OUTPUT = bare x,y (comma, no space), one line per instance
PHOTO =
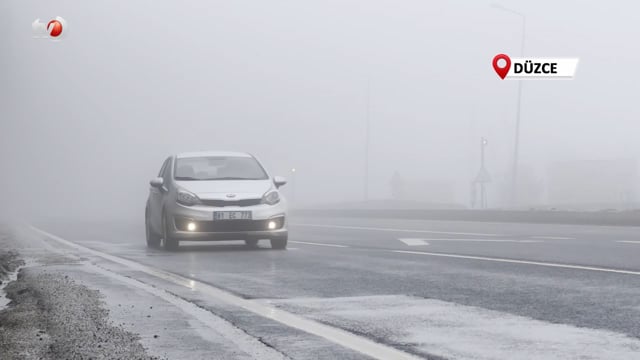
251,243
169,243
279,243
153,239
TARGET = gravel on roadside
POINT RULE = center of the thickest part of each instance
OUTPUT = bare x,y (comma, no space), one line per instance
50,316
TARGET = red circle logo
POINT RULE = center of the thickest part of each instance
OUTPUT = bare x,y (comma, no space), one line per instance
54,27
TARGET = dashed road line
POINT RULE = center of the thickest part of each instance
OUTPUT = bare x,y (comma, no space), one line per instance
552,237
485,240
628,241
319,244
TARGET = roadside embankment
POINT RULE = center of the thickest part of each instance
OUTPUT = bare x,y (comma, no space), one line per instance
50,316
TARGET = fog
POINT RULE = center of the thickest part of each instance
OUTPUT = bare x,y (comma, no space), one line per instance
87,121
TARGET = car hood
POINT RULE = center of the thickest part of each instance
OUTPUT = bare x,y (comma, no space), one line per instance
219,189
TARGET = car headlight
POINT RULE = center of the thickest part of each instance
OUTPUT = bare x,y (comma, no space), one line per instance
271,197
187,198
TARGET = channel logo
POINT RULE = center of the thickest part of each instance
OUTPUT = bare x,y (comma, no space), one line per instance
54,29
534,68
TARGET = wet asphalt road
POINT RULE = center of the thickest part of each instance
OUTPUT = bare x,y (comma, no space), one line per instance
554,274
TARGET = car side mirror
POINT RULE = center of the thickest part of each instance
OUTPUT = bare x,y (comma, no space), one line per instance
279,181
157,182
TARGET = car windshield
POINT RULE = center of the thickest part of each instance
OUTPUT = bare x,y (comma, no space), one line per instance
219,168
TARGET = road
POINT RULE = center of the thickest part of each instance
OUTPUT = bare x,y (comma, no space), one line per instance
430,289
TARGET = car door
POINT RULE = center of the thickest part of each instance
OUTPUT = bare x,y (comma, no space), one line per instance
156,196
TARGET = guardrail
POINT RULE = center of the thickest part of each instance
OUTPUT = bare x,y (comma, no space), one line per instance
625,218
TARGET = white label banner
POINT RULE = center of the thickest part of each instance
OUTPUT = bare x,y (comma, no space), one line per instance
542,68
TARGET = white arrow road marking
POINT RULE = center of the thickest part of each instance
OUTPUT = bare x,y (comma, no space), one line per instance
392,229
413,242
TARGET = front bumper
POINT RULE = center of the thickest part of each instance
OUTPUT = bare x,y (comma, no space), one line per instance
208,229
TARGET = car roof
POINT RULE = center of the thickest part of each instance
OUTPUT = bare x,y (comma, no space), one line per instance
212,153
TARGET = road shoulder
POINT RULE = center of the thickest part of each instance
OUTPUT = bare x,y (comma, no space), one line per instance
65,306
50,315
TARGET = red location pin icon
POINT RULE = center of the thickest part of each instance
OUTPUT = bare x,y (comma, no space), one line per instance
502,71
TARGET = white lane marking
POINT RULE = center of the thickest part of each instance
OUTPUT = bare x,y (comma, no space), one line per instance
319,244
332,334
214,326
488,240
524,262
413,242
394,230
455,331
628,241
552,237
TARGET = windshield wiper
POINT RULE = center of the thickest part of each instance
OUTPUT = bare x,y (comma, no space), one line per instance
186,178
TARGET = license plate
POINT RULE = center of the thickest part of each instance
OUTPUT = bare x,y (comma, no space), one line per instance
232,215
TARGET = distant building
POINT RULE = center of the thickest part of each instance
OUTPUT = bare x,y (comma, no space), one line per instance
593,184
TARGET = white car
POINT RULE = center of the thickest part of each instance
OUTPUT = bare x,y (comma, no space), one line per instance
215,196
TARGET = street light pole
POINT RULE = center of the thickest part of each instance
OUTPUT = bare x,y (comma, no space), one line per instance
484,177
516,146
366,142
483,201
481,179
516,151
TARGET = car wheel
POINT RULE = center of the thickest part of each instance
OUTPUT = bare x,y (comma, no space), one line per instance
251,243
279,242
168,242
153,239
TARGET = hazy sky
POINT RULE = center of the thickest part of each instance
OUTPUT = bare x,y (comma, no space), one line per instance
86,122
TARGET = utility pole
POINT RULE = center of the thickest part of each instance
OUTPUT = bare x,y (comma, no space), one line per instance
483,196
483,176
516,145
366,141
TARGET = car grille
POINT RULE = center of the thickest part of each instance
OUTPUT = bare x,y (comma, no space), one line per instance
230,225
223,203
